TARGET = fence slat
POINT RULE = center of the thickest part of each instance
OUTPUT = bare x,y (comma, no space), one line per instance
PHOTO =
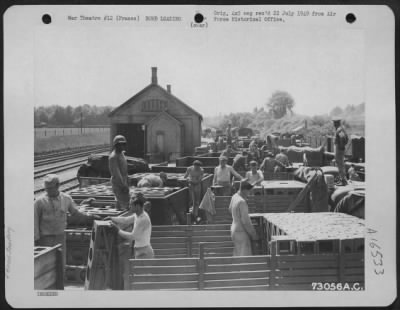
237,282
161,285
236,275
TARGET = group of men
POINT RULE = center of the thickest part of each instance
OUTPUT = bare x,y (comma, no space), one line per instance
50,210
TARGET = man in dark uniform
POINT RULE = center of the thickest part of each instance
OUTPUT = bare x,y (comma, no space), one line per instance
341,140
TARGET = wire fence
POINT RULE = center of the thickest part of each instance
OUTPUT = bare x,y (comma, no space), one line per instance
57,131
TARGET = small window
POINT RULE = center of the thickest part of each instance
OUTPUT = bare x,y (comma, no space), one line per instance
154,105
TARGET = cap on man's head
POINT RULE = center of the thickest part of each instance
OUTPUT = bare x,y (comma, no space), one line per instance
223,158
119,139
336,119
197,163
253,163
245,185
51,179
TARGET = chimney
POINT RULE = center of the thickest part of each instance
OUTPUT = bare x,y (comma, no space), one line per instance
153,75
169,88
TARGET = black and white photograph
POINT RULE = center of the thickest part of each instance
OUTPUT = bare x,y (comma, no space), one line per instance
157,151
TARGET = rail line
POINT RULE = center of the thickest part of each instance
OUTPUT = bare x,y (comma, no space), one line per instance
59,158
59,168
65,185
50,154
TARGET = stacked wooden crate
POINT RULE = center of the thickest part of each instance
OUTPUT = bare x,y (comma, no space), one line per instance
48,268
168,204
271,196
278,195
307,233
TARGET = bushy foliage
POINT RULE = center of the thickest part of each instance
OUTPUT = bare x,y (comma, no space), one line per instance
353,119
68,116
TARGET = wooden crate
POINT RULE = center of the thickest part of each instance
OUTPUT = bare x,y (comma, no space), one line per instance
78,243
278,176
48,268
103,245
317,233
75,274
179,169
207,161
169,204
87,181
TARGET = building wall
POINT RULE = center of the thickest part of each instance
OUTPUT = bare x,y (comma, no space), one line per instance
172,137
151,103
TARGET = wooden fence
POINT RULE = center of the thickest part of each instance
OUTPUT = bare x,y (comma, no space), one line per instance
183,240
261,272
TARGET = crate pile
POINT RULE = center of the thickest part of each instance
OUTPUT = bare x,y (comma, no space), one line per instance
74,221
105,192
311,233
277,195
78,242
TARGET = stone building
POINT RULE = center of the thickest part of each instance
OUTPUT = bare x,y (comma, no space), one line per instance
157,125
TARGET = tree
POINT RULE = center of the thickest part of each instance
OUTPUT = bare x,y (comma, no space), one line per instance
280,103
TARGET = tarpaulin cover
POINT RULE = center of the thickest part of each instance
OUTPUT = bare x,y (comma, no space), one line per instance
315,156
207,203
100,164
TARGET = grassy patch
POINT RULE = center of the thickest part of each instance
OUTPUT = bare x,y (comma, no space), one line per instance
45,144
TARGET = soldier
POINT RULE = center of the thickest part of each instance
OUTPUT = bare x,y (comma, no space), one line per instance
341,140
119,172
51,214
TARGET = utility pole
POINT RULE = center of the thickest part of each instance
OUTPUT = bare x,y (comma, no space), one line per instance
81,121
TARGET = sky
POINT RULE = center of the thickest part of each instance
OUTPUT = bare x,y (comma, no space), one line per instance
216,71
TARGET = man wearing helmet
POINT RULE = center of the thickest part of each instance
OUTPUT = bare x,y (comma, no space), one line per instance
341,139
119,172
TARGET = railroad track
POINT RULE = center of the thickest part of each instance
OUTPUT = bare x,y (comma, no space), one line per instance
51,154
65,185
59,158
59,168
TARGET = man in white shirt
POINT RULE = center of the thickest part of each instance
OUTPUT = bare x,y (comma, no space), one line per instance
223,176
141,232
242,230
254,176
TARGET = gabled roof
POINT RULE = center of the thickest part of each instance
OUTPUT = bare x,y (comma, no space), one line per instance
166,114
126,103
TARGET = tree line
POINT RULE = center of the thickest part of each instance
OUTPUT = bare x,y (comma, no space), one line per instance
88,115
277,116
